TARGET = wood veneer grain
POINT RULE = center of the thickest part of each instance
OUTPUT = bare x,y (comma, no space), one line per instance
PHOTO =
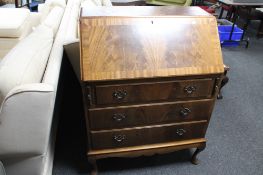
142,115
117,48
147,135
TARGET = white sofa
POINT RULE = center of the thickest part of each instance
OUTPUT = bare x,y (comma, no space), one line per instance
29,76
15,24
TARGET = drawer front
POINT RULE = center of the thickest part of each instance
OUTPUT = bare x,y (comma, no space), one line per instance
139,93
147,135
140,115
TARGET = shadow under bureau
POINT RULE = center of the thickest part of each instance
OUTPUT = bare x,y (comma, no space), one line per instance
150,77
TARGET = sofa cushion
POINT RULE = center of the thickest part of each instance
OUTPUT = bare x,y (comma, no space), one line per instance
49,5
13,21
106,3
53,19
26,62
96,3
6,44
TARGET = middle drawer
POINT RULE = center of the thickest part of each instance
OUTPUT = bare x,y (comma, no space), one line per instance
140,115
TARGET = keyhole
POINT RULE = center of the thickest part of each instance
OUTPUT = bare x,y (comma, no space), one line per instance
152,22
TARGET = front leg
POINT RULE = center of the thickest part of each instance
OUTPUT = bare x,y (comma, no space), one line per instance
194,159
94,170
224,82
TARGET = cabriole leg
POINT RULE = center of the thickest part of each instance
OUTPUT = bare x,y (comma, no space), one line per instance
194,159
94,170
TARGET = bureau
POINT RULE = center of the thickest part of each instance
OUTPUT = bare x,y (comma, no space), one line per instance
150,77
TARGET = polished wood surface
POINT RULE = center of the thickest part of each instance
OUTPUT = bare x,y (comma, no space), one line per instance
147,92
147,114
117,48
144,11
149,149
150,77
147,135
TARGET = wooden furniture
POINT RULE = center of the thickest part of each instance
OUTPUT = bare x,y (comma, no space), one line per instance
150,77
244,9
224,81
129,3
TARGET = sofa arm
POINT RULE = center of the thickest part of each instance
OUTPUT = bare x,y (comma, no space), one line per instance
72,51
34,20
25,120
40,7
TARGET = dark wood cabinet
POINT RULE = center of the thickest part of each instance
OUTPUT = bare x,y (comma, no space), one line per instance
149,114
154,91
147,135
151,92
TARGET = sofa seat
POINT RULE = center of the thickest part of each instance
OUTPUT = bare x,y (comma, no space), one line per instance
15,24
27,59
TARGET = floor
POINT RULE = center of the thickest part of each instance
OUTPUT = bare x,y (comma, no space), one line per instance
235,139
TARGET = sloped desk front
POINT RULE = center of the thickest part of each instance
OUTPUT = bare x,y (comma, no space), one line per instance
150,76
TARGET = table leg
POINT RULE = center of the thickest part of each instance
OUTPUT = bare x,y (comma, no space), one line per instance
260,30
229,13
235,17
221,13
247,22
234,22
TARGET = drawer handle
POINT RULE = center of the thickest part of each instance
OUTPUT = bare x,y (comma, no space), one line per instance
180,132
119,138
119,94
119,117
190,89
185,112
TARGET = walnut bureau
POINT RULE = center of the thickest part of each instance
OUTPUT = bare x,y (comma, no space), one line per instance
150,77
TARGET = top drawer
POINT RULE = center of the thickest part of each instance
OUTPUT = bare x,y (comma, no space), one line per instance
154,91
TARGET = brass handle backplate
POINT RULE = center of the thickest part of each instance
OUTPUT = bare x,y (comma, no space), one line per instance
185,112
118,117
180,132
119,138
119,94
190,89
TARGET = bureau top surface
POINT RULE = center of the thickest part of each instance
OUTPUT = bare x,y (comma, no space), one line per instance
141,11
120,43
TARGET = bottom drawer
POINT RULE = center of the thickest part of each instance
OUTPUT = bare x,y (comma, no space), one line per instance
147,135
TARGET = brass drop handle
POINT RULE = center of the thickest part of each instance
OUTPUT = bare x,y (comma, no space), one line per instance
118,117
180,132
119,138
119,94
190,89
185,112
